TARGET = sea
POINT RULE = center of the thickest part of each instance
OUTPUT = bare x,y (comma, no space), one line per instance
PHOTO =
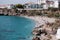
16,28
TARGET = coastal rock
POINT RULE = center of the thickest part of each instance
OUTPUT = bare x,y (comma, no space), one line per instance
47,31
36,38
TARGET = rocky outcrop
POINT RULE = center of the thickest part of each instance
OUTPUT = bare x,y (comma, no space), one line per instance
47,31
36,38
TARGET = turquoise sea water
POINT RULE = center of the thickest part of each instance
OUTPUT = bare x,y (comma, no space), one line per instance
15,28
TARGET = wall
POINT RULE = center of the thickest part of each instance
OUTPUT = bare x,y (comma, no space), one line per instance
56,4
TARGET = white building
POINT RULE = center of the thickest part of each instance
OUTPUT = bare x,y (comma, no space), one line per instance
6,6
41,1
49,3
56,4
44,4
52,3
32,5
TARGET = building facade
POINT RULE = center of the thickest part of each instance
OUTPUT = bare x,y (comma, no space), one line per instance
42,4
8,6
52,3
33,6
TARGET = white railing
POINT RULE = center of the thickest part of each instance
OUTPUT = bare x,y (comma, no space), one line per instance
31,9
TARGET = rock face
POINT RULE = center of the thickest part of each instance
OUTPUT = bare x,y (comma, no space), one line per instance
47,31
46,27
36,38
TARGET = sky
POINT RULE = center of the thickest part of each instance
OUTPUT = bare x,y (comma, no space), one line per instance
16,1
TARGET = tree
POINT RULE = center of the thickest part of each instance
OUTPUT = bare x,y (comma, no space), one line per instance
14,7
19,6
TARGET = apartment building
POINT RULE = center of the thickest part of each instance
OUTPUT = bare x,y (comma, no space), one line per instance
52,3
32,5
42,4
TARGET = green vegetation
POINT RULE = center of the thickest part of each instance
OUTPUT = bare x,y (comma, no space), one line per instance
14,7
19,6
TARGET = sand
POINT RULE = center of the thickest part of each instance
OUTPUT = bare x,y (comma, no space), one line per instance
40,20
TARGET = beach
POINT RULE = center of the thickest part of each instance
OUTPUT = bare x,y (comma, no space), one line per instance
41,20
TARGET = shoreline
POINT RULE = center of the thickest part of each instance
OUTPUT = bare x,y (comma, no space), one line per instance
43,24
39,20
